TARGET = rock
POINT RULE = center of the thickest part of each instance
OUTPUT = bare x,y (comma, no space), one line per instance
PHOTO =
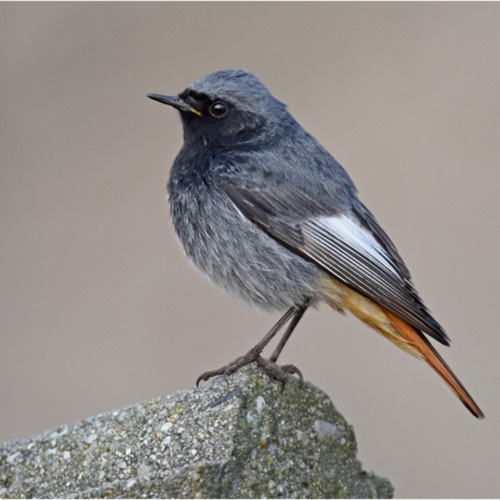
241,436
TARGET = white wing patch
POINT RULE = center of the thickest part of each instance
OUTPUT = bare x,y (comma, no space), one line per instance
354,235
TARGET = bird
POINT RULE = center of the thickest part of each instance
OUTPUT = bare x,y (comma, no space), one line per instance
264,211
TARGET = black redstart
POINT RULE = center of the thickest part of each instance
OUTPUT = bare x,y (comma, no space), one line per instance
265,212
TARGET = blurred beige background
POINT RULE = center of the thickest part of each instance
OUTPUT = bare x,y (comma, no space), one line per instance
99,307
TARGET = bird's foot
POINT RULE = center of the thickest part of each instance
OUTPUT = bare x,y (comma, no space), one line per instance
273,370
277,372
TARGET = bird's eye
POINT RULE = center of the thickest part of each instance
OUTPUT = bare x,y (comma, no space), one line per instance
218,109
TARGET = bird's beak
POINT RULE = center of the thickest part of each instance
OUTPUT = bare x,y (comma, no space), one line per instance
174,101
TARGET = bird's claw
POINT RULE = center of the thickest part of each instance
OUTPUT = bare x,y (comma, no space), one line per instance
273,370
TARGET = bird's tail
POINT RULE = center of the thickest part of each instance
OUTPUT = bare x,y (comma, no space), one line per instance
427,352
400,333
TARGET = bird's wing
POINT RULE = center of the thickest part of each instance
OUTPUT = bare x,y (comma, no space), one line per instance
351,247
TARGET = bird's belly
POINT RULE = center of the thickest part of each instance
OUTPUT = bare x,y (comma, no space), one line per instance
239,256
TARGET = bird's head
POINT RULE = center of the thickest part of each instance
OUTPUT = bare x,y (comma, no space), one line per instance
226,107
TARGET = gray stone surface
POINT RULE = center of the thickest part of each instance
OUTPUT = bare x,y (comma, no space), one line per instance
241,436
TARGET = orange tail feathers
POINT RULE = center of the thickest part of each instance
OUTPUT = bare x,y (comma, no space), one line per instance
398,331
425,349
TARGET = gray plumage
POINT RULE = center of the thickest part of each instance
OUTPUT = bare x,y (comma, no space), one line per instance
265,211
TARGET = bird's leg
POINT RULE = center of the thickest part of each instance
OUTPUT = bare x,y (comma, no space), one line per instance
294,313
291,327
290,369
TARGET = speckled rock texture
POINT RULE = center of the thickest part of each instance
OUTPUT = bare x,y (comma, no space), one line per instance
238,437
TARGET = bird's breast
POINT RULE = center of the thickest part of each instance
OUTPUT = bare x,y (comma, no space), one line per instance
232,251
